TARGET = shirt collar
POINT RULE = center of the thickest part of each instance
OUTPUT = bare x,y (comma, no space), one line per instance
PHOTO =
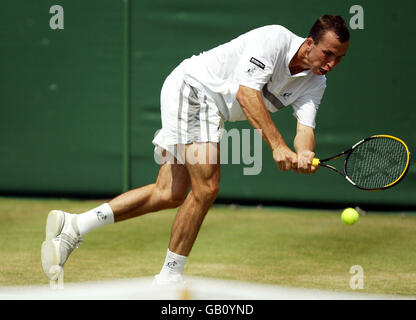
294,47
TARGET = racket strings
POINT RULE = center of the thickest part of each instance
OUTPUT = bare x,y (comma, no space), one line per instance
377,163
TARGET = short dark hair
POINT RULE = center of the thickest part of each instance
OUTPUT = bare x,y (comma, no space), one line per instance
330,23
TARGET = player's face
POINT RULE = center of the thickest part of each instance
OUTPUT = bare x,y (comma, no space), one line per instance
324,56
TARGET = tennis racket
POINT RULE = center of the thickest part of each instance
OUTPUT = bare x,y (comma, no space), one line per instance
375,163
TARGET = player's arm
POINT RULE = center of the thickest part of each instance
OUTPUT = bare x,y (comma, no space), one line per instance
257,114
305,144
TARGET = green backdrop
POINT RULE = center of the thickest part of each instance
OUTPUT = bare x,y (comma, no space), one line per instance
80,106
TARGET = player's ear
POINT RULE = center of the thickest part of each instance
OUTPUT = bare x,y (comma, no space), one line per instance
309,44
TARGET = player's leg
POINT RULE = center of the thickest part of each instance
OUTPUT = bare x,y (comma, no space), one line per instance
205,178
169,191
64,230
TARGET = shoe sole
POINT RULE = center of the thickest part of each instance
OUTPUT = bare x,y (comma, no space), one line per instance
160,282
49,253
54,224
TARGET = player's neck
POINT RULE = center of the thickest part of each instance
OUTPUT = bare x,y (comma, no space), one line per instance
299,61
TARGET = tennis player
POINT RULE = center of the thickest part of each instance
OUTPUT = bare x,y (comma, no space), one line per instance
259,72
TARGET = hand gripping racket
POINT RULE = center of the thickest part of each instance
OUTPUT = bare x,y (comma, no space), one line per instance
375,163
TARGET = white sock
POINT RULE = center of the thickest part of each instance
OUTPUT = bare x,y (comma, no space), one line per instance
95,218
174,264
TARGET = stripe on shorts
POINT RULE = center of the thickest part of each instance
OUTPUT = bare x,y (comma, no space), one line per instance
193,112
180,112
194,115
206,120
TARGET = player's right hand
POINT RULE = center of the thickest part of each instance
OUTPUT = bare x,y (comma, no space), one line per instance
305,158
285,158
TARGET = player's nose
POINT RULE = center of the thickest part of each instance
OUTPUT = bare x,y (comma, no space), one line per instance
330,65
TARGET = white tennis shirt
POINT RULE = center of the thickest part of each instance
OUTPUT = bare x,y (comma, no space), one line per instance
258,59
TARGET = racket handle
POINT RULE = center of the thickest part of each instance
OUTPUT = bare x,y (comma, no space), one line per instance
315,162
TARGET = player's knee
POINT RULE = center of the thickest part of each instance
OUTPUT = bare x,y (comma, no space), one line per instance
214,188
207,192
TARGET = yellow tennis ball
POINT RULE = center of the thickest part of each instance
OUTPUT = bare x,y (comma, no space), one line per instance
349,216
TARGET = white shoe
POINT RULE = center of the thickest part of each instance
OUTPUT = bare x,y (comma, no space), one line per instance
164,280
62,237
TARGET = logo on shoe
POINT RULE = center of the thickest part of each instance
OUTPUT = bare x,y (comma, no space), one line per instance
100,215
171,264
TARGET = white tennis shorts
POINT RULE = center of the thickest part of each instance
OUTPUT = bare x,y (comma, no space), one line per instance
189,114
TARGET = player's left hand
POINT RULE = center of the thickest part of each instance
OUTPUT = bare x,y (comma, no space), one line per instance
305,158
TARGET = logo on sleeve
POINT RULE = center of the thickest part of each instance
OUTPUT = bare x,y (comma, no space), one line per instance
257,63
251,71
286,95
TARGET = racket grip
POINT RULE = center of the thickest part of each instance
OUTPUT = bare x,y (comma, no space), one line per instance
315,162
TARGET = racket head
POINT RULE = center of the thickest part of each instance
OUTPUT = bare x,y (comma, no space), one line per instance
377,163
